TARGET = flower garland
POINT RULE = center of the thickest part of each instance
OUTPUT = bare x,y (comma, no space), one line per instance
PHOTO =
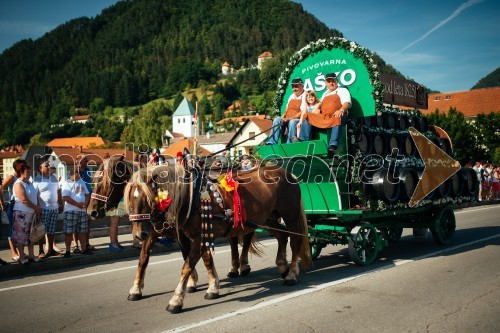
162,200
330,43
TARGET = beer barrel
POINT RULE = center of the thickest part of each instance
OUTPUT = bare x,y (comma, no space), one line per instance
396,142
443,190
413,122
409,148
456,184
390,120
469,178
445,145
402,122
423,124
365,142
384,185
367,121
380,120
408,180
379,144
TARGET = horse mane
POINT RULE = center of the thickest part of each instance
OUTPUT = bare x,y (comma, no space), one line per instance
168,177
105,176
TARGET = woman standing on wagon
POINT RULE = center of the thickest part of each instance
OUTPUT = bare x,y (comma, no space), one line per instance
27,203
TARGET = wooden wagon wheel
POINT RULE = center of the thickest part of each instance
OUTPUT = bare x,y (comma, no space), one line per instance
392,234
444,226
364,244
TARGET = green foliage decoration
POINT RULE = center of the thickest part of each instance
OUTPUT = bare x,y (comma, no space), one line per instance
329,43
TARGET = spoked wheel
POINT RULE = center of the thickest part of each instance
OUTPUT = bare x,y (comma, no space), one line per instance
392,234
444,226
364,244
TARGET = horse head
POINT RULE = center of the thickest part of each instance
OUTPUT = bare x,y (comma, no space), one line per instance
110,180
158,195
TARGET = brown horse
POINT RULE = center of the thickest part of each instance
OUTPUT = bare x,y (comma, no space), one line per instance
267,194
110,181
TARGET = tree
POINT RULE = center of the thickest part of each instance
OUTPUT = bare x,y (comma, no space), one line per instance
97,105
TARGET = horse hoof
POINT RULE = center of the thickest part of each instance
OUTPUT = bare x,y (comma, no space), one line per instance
245,272
211,295
191,290
174,309
134,297
284,274
232,275
290,282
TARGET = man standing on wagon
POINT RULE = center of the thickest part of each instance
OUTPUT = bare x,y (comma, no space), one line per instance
334,105
295,106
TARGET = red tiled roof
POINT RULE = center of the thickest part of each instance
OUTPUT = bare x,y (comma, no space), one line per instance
179,146
240,119
76,141
263,124
95,156
470,103
84,117
9,154
266,54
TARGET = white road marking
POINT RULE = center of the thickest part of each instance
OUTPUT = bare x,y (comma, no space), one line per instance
107,271
320,287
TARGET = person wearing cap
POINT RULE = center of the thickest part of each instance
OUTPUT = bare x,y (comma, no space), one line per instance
52,205
334,105
296,104
27,204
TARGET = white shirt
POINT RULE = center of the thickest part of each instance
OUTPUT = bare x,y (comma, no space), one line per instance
31,195
76,191
47,187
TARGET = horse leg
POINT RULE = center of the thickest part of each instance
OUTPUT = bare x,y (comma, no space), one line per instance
235,262
135,292
213,278
281,260
177,301
185,247
293,272
244,265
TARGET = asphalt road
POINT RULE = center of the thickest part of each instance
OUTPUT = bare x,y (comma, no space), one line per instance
416,286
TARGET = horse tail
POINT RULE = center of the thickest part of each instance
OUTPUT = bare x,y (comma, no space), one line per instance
255,246
305,250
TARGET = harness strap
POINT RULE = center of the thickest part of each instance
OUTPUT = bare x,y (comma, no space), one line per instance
99,197
139,217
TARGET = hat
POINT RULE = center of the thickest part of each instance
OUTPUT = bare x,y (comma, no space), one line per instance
330,76
179,154
297,80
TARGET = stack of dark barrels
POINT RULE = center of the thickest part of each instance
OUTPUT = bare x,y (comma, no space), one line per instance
383,138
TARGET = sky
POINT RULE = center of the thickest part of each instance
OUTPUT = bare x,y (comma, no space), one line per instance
444,45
